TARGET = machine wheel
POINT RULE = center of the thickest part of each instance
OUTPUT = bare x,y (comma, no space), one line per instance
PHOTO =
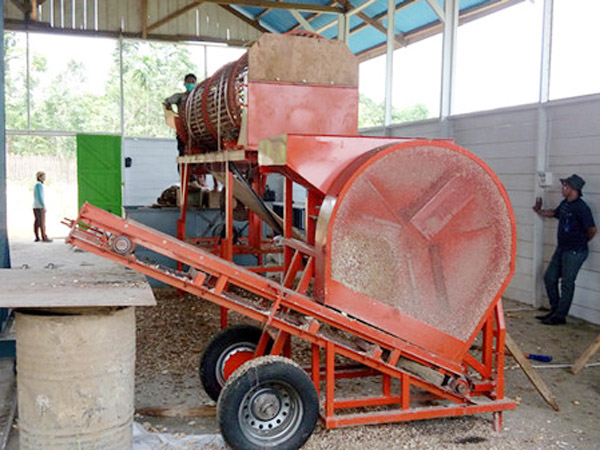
121,245
227,351
269,402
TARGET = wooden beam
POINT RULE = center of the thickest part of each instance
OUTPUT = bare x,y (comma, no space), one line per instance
350,11
379,17
530,372
23,5
280,5
302,21
252,22
145,19
261,14
586,355
173,15
315,15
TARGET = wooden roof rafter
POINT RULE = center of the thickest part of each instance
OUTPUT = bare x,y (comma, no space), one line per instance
271,4
375,22
263,12
227,5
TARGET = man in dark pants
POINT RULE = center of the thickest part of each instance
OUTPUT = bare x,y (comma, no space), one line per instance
575,228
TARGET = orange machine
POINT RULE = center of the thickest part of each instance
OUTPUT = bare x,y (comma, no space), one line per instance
407,248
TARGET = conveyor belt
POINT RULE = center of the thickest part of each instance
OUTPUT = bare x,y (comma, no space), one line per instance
281,309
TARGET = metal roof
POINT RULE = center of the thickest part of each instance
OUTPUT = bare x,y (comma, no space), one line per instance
241,22
414,20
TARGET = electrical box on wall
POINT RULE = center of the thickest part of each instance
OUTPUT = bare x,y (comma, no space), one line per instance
545,179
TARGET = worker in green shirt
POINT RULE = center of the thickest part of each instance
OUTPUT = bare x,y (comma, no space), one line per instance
39,209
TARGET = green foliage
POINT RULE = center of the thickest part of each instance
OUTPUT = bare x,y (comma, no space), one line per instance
372,114
151,72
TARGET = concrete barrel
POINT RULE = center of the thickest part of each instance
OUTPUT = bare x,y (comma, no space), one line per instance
75,378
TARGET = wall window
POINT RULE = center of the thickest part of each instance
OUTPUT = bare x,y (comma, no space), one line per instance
74,83
575,66
416,84
417,80
498,59
15,79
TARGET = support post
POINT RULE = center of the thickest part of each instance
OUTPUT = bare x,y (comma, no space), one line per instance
288,221
343,32
316,366
228,243
389,61
330,380
542,151
448,62
4,249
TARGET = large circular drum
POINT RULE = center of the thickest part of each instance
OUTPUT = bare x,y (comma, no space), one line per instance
418,239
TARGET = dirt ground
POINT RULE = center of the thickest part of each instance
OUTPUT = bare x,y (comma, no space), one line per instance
172,335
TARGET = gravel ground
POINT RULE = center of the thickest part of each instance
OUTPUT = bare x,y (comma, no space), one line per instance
172,335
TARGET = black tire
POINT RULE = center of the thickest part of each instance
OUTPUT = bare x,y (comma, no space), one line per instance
221,346
269,402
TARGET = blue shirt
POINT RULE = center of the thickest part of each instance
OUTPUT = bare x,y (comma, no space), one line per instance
574,220
38,196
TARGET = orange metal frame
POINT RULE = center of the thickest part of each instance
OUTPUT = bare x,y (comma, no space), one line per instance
473,385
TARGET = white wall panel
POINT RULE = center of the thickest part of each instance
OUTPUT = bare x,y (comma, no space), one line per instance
153,169
575,148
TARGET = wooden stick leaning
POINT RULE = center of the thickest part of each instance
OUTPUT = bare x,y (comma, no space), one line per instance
586,355
530,372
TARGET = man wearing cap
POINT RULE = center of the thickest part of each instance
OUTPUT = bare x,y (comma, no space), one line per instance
575,228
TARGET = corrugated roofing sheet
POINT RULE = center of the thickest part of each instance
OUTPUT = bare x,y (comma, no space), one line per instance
411,16
241,25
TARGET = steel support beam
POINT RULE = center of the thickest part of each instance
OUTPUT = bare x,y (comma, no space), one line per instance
389,61
343,28
437,9
542,151
4,249
448,58
302,21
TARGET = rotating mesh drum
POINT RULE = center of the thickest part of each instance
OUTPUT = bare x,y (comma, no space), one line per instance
213,110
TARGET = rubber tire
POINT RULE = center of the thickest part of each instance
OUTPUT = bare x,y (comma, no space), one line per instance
237,334
265,370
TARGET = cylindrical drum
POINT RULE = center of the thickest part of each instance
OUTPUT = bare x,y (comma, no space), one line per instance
75,377
213,110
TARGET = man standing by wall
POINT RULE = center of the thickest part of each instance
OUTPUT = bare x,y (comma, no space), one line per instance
39,209
575,228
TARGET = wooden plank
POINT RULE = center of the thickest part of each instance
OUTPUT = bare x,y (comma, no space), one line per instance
530,372
225,156
279,58
253,23
29,288
280,5
586,355
173,15
178,411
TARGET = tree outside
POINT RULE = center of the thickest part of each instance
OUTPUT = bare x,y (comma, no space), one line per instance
372,114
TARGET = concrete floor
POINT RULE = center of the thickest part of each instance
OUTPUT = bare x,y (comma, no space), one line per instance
532,426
